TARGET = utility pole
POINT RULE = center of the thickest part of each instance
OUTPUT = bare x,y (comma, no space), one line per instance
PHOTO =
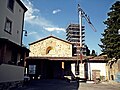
80,24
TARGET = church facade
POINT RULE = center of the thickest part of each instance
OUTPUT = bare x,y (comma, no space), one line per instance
51,47
50,57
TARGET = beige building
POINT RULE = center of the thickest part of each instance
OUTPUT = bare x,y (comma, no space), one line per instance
50,57
51,47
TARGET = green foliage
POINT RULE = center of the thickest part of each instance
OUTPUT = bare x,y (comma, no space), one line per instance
87,51
93,53
111,39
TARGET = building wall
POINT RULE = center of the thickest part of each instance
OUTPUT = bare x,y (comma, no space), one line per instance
51,47
11,48
81,70
97,66
10,73
17,20
113,70
8,55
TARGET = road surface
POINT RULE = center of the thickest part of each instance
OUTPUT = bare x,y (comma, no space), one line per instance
54,84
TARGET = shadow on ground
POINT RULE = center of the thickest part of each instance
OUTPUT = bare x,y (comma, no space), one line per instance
50,84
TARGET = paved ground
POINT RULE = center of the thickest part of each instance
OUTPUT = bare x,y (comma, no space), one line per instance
50,85
100,86
64,85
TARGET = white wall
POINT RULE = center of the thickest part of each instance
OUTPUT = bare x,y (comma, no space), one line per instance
17,20
11,73
73,68
81,70
97,66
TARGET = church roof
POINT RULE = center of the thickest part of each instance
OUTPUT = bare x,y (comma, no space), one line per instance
50,37
74,58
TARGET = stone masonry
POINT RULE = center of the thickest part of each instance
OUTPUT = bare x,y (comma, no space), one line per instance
51,47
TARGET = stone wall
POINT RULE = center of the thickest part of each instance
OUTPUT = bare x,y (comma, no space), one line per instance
51,47
113,69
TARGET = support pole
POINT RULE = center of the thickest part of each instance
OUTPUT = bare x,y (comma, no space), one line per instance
80,28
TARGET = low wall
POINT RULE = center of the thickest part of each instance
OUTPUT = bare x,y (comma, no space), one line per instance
10,73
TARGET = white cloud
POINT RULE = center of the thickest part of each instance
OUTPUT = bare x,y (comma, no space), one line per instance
29,15
33,17
55,29
31,33
56,11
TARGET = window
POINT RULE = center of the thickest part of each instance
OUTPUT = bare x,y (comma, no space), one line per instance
11,4
8,25
32,69
48,49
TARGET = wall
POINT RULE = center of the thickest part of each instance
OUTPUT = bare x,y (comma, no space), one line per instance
10,73
57,48
81,70
113,70
97,66
17,20
8,54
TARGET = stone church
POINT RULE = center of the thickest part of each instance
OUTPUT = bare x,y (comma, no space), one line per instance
51,47
50,57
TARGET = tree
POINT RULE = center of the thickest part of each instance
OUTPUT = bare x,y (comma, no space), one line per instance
111,39
87,51
93,53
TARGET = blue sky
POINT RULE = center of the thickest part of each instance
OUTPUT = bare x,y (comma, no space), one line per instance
46,17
